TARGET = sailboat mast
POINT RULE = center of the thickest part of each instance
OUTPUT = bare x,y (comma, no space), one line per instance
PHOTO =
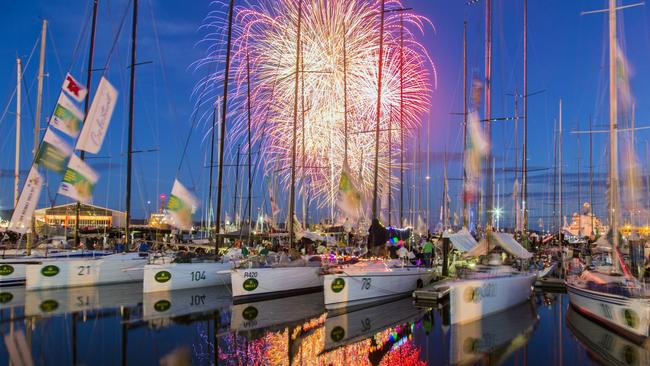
129,160
524,160
559,154
234,197
37,120
488,105
465,211
214,125
222,133
445,193
303,189
591,178
613,148
379,74
250,148
19,76
345,92
292,188
89,73
390,165
579,196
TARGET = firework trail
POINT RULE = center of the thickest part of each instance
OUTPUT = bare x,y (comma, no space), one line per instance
266,32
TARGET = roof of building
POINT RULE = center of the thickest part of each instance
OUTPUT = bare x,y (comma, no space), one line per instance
84,210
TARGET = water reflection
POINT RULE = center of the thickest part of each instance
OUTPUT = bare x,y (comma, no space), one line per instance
119,325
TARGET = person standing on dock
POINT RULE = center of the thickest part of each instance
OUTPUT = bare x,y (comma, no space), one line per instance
427,250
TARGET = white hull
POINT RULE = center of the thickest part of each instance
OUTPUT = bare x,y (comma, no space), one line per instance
264,314
357,286
607,346
361,324
12,297
630,315
47,303
13,269
472,299
110,269
259,283
169,304
179,276
493,337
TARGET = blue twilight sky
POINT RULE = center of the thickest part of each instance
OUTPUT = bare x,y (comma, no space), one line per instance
567,59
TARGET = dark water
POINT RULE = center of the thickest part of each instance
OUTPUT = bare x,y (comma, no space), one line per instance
114,325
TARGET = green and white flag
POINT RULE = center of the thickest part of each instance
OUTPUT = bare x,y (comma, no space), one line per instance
67,118
22,217
53,153
182,204
78,181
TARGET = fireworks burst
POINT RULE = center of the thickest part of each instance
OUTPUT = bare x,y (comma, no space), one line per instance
339,46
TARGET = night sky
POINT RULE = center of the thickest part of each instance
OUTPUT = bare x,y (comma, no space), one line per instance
567,59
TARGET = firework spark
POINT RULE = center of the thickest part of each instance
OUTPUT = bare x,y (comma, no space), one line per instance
267,34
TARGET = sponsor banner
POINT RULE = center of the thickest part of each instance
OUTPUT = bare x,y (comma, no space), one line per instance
182,204
74,89
53,153
78,181
22,217
98,119
67,118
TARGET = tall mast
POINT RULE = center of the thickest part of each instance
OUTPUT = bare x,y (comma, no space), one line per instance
591,178
302,144
516,118
345,92
250,148
524,160
390,166
488,95
234,197
292,188
555,211
465,212
613,148
19,76
379,74
444,192
129,161
89,72
214,125
579,196
37,118
222,133
559,154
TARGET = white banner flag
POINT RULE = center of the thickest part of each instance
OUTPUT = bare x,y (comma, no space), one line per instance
74,88
99,116
79,181
182,204
67,118
22,216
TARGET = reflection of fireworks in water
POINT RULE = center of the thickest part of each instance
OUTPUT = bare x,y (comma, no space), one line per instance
267,33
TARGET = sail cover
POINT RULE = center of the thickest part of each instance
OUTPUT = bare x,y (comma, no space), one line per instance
463,241
510,245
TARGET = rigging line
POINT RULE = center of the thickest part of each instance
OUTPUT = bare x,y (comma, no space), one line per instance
56,53
116,38
79,40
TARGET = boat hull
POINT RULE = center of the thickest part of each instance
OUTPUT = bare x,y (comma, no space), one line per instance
59,273
470,300
170,304
359,288
13,270
630,316
180,276
253,284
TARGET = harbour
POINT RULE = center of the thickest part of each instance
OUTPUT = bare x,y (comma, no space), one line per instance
325,182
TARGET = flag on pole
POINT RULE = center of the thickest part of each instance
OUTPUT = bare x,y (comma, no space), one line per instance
22,216
98,119
78,181
349,197
182,204
53,153
67,118
74,89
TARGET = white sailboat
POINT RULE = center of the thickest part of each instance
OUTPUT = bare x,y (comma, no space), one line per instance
616,299
487,289
249,284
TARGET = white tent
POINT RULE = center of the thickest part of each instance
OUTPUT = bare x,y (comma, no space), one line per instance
510,245
462,241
